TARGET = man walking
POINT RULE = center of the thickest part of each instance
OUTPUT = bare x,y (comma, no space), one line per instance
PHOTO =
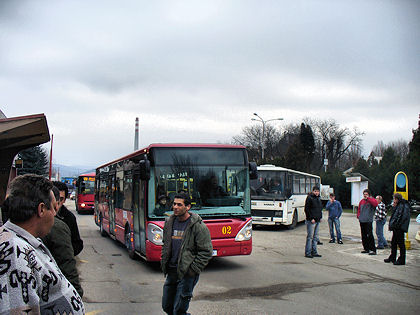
334,213
313,211
30,280
186,251
365,214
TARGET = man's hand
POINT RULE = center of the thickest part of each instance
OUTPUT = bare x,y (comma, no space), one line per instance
313,221
191,273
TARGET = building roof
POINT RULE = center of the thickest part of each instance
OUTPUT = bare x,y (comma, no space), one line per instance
17,134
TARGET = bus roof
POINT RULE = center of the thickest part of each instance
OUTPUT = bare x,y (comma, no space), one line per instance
93,174
173,145
270,167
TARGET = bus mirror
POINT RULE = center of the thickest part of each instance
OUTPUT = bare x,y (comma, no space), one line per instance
144,166
253,173
288,193
82,187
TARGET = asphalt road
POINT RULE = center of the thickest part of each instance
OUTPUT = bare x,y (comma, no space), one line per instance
275,279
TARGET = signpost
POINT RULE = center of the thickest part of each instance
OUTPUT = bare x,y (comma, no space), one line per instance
401,187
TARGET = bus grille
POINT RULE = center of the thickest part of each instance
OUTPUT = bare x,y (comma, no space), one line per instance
267,213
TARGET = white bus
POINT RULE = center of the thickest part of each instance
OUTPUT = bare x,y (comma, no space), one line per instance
278,195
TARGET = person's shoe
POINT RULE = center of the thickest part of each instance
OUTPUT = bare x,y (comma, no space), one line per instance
332,241
388,260
309,256
380,247
364,251
316,255
340,242
319,243
372,253
386,246
399,262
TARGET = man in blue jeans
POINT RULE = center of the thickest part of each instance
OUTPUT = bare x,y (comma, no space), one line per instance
334,213
186,251
380,219
313,212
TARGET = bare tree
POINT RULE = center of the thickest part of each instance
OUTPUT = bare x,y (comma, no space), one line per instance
334,142
399,146
251,137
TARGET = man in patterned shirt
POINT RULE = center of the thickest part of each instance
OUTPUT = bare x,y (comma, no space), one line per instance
30,280
380,219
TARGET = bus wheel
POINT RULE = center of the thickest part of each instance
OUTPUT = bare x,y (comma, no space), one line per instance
128,244
294,221
101,226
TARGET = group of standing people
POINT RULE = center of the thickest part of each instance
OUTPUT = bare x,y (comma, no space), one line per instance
38,270
40,239
370,209
313,212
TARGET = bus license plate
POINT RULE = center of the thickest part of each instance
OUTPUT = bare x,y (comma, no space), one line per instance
214,252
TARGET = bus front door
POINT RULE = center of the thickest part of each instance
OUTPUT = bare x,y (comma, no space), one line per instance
112,207
139,215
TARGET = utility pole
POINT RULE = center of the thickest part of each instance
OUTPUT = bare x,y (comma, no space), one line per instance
263,132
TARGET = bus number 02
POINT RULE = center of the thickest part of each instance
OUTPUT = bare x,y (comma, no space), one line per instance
227,230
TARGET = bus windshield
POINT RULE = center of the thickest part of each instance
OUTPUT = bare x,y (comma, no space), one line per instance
87,185
215,179
270,185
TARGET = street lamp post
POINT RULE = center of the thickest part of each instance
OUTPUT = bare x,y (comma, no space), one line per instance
263,133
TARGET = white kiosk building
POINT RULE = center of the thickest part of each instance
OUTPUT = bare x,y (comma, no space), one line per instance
359,182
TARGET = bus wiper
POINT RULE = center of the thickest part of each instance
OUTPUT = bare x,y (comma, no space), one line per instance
235,216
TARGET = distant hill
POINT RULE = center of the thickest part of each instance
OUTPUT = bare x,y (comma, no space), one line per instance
72,171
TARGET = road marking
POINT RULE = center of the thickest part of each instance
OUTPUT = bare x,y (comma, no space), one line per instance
94,312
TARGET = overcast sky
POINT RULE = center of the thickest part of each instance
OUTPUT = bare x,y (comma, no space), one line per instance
195,71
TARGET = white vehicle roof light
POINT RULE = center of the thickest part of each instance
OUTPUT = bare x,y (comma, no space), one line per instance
155,234
245,233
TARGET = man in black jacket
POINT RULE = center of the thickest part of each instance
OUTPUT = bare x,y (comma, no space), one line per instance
313,211
398,224
69,218
58,242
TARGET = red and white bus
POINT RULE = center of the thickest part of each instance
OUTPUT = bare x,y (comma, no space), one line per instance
133,195
85,193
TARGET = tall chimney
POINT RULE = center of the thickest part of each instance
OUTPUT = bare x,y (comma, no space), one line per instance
136,135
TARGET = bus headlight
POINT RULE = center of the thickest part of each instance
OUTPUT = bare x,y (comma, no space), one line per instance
245,233
83,205
154,234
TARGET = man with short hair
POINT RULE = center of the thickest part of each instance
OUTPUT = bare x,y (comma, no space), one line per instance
186,250
30,280
365,214
398,224
69,218
334,213
313,211
58,242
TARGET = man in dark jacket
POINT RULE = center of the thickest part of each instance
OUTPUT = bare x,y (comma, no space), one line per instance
186,251
58,242
365,213
313,211
69,218
398,224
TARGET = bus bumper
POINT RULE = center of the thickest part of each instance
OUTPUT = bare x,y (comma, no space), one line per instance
223,247
153,252
230,247
267,221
